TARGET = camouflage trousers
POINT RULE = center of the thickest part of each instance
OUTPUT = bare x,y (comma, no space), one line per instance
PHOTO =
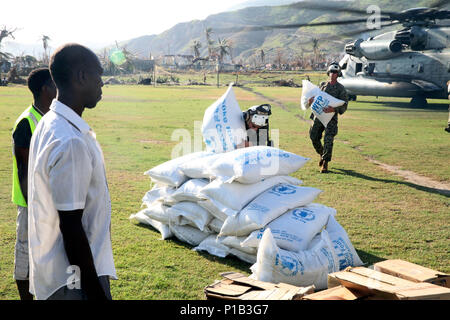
315,133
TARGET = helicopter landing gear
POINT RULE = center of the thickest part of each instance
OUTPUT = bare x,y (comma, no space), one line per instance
352,97
418,102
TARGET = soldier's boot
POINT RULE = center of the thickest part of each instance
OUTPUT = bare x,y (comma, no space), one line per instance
447,128
324,168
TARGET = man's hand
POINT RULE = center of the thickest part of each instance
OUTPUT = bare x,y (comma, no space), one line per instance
311,100
79,252
328,109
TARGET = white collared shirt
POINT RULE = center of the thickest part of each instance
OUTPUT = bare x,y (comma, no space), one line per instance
66,172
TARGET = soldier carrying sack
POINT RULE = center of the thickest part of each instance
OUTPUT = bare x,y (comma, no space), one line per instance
337,90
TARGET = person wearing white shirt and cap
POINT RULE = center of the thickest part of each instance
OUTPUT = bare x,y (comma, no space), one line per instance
68,198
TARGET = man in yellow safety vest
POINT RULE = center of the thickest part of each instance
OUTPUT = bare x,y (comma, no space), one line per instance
43,89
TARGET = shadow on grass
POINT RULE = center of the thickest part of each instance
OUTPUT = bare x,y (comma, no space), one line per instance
368,258
404,105
355,174
234,263
230,261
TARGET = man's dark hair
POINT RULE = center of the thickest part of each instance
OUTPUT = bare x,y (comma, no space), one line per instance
66,60
37,79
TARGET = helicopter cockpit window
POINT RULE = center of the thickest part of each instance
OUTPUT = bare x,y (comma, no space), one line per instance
358,68
344,62
448,67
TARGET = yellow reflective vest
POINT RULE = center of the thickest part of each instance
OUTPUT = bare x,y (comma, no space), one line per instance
33,117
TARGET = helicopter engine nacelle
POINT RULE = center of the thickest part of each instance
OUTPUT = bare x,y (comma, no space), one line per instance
378,49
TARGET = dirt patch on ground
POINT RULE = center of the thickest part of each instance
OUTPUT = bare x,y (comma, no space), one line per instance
410,176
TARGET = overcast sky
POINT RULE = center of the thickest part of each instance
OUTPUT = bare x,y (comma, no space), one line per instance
100,22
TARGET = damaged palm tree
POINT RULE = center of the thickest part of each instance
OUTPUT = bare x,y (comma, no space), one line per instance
196,48
222,50
5,33
45,39
209,42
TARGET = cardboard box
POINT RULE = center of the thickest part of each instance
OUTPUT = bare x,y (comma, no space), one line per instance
413,272
384,286
335,293
236,286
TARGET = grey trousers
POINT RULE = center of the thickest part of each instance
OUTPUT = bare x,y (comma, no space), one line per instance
21,263
65,293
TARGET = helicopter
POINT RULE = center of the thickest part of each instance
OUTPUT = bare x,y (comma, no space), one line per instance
412,62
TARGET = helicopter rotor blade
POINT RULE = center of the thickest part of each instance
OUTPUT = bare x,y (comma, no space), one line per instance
440,26
337,7
340,36
292,26
437,4
356,32
343,6
443,14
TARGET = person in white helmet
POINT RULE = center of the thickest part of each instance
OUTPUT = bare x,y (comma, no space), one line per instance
337,90
256,121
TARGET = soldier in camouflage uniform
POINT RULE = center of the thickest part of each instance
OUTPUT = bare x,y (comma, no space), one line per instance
337,90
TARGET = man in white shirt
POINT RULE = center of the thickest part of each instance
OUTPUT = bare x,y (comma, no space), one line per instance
69,204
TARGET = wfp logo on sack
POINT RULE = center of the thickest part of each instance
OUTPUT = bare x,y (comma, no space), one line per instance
289,265
283,189
319,104
303,215
260,233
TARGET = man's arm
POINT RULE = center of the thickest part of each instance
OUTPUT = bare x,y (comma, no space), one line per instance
22,138
344,97
79,252
22,168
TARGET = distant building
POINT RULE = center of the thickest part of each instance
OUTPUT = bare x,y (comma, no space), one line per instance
231,67
144,65
177,61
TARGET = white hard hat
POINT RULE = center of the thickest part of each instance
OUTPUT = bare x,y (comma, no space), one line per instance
334,67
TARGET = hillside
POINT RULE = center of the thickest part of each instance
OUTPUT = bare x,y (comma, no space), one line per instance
179,39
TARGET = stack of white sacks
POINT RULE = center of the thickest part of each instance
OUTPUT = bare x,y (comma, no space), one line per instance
242,202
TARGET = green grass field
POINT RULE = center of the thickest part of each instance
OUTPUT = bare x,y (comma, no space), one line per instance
385,216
